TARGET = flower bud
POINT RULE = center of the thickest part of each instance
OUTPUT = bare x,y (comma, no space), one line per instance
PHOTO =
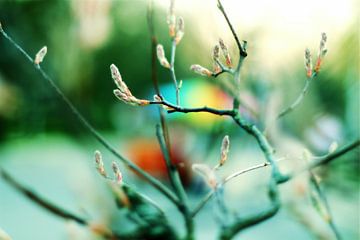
322,52
39,57
225,146
216,53
332,148
157,98
99,163
201,70
225,52
180,84
130,99
123,93
117,173
116,76
171,19
180,30
215,56
308,63
161,56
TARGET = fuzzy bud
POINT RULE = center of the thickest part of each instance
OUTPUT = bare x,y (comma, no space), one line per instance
215,56
332,148
207,173
180,30
99,163
39,57
130,99
180,84
225,52
123,93
117,173
308,63
161,56
116,76
157,98
225,146
322,52
216,52
201,70
171,19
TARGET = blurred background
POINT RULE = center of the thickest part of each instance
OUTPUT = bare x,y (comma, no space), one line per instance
46,148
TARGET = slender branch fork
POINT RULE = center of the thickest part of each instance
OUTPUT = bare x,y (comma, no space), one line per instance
319,162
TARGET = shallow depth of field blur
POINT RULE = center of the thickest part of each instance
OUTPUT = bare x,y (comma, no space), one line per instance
45,147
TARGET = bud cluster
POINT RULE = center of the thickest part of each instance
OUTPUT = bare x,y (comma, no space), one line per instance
122,92
321,54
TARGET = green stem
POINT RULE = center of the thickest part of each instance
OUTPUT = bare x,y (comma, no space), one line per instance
264,145
172,70
299,98
174,108
177,185
53,208
240,47
253,219
208,196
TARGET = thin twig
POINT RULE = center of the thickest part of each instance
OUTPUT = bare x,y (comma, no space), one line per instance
172,70
326,160
154,76
40,201
322,161
53,208
146,199
177,185
298,99
153,181
230,231
242,51
173,108
208,196
323,201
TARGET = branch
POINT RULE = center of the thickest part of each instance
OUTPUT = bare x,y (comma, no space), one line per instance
208,196
320,162
153,181
327,159
242,51
173,108
253,219
175,181
318,197
154,42
57,211
298,99
172,70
